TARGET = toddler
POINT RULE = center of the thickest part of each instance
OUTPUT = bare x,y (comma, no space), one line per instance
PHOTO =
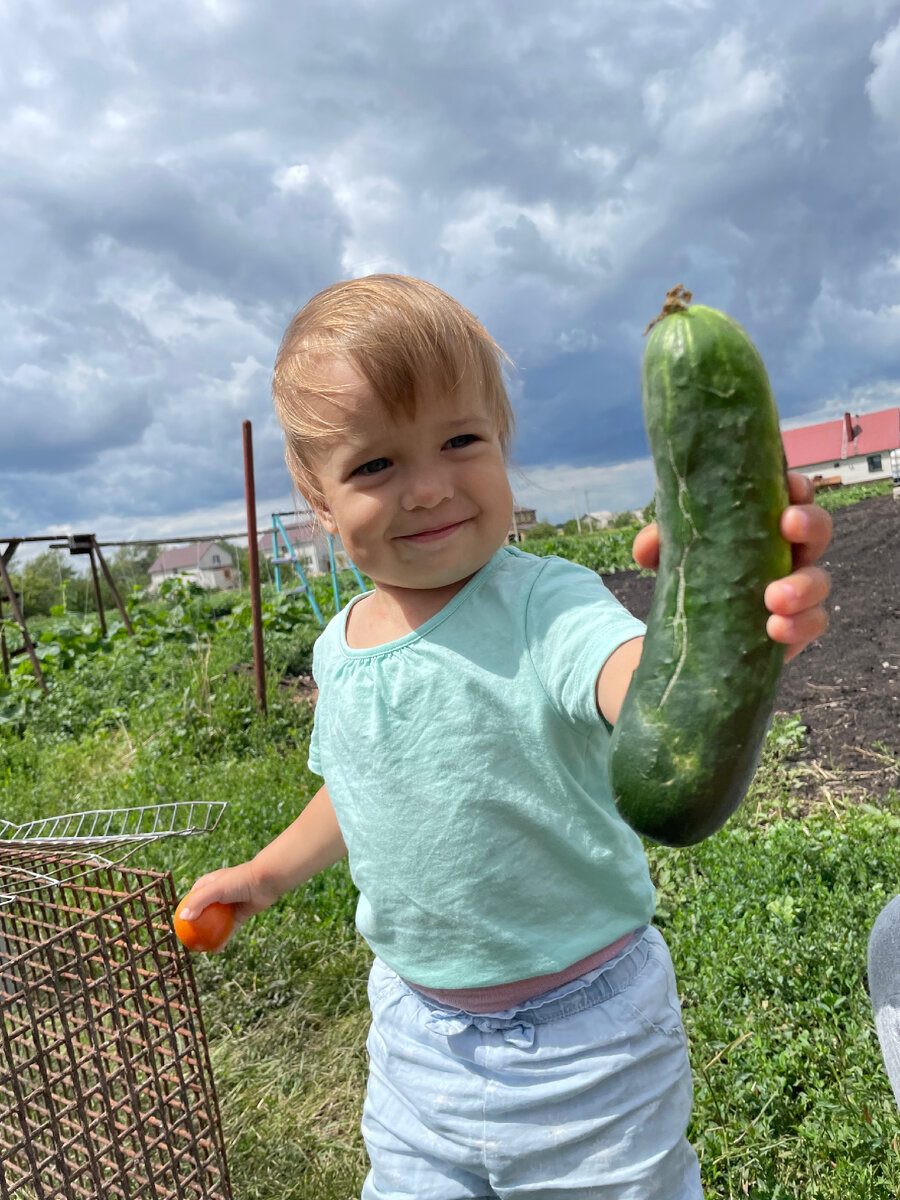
526,1036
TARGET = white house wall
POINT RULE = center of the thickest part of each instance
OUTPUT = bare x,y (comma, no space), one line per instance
206,562
851,470
212,579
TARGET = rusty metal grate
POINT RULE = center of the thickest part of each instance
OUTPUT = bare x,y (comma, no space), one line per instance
106,1089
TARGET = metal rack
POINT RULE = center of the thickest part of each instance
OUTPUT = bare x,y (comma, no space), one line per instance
85,834
106,1088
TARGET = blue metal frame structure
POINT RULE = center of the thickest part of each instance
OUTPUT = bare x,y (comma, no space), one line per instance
290,557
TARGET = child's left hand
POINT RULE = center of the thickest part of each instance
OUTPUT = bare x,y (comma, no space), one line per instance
796,603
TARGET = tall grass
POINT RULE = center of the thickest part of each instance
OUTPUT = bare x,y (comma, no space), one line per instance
767,922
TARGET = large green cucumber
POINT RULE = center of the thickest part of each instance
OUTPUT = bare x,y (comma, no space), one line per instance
688,738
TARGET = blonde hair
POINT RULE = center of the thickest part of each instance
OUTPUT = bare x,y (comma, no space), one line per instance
402,335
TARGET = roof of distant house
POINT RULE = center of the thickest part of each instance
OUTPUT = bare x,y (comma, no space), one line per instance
181,556
298,531
847,437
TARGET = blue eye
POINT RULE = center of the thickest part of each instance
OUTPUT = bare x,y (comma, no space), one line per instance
462,439
372,467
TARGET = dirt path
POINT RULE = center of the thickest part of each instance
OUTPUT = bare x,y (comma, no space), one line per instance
846,686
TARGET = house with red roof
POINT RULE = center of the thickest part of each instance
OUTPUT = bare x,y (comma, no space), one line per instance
207,563
855,449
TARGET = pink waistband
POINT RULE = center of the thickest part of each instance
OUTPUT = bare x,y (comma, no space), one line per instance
508,995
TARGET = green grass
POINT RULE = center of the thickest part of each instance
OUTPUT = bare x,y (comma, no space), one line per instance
768,927
852,494
604,551
767,923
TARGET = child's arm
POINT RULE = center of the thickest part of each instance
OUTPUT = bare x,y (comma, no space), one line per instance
308,845
795,603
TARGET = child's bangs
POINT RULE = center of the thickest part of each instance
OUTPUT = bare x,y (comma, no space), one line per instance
420,356
409,340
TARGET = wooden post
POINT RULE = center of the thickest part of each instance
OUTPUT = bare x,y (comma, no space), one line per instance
259,662
4,656
17,613
97,597
107,575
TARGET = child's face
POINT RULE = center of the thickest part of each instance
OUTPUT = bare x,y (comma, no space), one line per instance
419,503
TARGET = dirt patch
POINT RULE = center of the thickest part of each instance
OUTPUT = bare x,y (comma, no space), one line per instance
846,686
300,688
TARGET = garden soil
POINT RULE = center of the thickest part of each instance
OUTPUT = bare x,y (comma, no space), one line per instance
846,686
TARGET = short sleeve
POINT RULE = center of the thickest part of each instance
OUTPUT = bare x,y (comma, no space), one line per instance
314,761
572,625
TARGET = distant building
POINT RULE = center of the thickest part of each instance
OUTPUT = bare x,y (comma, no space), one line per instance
523,520
849,450
207,563
604,519
310,544
598,520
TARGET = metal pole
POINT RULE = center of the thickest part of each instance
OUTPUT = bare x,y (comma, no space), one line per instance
4,656
275,553
97,598
334,576
17,613
107,575
259,662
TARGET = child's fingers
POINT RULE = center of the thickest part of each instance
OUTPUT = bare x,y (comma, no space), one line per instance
207,890
646,547
808,528
801,489
798,591
796,605
798,631
191,911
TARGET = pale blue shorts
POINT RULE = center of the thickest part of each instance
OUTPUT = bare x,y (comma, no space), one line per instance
582,1092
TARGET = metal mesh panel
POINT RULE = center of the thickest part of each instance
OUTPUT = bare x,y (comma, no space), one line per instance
106,1089
116,826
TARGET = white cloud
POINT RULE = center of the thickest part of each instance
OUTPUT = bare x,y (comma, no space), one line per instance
26,129
871,324
717,101
867,398
557,492
172,316
294,179
883,85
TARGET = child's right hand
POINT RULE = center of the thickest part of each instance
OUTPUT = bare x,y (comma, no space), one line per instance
238,886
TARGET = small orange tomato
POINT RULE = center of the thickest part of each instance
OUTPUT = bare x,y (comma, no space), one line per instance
208,931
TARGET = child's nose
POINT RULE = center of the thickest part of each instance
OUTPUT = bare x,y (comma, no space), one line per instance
427,488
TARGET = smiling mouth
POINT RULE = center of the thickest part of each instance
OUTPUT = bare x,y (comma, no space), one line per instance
432,535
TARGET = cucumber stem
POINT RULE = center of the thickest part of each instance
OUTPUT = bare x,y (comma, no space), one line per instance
677,300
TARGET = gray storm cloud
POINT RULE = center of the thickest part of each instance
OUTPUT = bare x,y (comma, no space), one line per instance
178,179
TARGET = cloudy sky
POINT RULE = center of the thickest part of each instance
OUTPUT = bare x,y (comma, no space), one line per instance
176,179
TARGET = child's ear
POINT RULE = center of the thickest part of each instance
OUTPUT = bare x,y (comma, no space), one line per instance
325,519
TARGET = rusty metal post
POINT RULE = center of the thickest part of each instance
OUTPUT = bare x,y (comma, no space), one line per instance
107,575
17,613
97,596
259,662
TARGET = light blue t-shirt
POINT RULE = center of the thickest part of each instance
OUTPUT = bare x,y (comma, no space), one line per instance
466,763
